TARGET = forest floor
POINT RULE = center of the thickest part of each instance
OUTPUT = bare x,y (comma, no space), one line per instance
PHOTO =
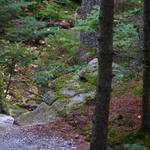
53,136
124,117
74,130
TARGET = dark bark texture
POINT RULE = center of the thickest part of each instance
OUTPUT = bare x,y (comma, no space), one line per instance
146,66
103,92
88,39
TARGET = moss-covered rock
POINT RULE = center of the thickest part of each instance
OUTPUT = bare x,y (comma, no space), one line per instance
43,114
72,90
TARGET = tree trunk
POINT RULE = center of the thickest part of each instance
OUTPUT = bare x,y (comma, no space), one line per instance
88,39
146,66
103,92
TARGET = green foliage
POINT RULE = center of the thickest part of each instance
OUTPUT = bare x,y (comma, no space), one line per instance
56,10
91,22
52,70
125,39
12,54
10,9
5,108
137,91
125,31
29,29
66,41
134,147
50,11
126,16
142,137
122,5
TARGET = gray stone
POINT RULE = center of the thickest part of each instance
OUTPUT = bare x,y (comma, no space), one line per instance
43,114
80,98
48,97
72,83
5,121
67,92
108,148
92,69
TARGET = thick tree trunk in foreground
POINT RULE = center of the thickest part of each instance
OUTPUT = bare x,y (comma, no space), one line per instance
146,67
105,57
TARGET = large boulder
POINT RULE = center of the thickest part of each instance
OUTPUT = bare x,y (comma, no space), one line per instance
43,114
5,121
80,98
73,90
91,70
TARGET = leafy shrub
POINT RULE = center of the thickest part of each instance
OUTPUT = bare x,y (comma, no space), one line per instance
122,5
52,70
10,9
26,29
125,39
66,41
125,32
56,10
90,23
12,54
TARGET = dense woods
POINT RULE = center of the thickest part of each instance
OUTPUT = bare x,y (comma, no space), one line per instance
75,74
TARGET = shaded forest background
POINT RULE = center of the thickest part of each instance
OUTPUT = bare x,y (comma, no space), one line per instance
44,43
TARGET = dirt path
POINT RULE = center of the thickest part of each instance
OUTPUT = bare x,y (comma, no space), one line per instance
54,136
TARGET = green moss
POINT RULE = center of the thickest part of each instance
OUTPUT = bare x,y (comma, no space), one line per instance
137,91
91,79
86,86
16,106
89,99
61,81
76,107
86,131
115,139
59,96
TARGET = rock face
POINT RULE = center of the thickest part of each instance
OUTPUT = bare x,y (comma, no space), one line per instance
69,91
80,98
41,115
91,70
5,121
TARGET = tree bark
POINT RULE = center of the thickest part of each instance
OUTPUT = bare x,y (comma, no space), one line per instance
103,92
88,39
146,67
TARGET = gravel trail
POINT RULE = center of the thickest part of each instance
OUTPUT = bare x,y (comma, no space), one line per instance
17,138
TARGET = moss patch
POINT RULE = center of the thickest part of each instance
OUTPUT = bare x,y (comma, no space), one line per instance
61,81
